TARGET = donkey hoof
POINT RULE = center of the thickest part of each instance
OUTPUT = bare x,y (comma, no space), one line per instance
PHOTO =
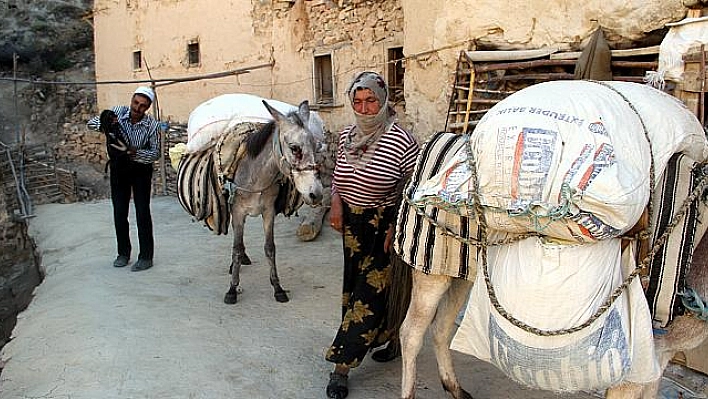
231,297
281,296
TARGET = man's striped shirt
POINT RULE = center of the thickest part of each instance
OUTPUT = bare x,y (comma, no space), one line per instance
143,136
374,184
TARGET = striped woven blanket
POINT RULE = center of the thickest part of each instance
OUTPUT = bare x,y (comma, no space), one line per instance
421,243
667,270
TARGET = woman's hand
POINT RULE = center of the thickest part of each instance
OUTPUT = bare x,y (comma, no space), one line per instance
388,242
336,219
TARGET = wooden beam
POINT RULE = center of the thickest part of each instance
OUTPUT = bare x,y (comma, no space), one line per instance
530,76
523,65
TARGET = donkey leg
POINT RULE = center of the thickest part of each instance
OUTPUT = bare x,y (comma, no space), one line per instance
238,251
441,330
269,248
243,258
425,295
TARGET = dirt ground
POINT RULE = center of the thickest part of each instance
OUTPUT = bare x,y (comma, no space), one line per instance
94,331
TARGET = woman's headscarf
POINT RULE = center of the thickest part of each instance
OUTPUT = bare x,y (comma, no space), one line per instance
362,140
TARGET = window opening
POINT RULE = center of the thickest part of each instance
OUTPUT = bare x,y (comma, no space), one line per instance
137,59
324,84
396,72
193,54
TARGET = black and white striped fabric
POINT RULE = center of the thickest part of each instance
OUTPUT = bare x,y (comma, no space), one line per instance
668,268
418,242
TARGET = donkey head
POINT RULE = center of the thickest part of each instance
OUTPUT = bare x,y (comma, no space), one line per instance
300,136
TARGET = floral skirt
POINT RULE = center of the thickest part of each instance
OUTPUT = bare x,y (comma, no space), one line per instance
365,285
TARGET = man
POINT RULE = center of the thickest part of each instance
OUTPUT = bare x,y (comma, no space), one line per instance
131,174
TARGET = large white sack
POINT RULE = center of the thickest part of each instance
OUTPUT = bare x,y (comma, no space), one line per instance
569,159
551,286
212,118
682,35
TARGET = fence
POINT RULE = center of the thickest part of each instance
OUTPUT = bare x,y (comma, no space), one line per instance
484,78
29,176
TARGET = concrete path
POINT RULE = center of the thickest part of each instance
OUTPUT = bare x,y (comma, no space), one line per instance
94,331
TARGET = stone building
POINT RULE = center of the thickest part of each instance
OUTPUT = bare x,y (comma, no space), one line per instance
292,50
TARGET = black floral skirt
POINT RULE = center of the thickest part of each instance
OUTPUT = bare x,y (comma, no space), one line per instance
365,285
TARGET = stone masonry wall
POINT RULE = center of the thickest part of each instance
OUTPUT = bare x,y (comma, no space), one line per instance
19,270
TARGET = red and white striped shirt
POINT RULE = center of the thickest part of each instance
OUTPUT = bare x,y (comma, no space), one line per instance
374,183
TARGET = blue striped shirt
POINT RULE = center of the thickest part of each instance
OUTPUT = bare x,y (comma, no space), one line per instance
375,184
143,136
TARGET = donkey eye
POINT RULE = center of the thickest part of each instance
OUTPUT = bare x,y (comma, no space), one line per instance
295,149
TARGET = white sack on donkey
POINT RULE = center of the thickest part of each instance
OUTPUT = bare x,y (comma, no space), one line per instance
545,284
574,166
212,118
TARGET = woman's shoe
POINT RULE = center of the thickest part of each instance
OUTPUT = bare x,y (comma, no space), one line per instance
390,352
337,387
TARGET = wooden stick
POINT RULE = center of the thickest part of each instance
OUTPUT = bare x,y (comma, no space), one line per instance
470,94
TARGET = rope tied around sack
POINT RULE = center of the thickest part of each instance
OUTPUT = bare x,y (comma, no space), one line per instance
482,243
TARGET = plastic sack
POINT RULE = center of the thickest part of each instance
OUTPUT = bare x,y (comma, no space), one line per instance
176,153
568,159
551,286
210,119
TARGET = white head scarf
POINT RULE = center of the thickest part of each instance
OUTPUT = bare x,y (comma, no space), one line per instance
362,140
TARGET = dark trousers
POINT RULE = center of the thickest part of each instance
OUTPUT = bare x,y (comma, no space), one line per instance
132,178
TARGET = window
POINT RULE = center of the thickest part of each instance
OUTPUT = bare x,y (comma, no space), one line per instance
137,59
193,55
324,84
396,70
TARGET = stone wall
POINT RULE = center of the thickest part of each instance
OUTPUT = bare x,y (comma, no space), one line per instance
19,269
78,143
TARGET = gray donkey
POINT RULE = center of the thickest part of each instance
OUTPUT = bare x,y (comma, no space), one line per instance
250,171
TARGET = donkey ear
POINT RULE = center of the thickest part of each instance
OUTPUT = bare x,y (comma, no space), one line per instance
277,115
304,111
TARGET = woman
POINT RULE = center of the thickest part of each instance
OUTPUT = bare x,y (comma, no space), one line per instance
374,157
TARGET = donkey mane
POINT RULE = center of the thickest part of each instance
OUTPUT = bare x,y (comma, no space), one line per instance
255,142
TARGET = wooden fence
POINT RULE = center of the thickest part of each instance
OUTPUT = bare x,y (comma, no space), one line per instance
483,78
29,176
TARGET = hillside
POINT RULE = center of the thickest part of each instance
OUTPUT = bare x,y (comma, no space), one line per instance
53,42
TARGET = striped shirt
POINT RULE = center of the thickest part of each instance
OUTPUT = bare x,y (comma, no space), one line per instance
374,184
143,136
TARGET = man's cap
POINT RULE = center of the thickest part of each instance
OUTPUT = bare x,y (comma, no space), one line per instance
147,92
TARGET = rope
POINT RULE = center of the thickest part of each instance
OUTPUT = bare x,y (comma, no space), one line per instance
650,204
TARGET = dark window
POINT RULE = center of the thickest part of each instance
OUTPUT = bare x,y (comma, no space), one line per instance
137,59
396,70
324,86
193,53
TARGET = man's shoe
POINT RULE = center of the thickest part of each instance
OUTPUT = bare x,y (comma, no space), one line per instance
140,265
390,352
121,261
